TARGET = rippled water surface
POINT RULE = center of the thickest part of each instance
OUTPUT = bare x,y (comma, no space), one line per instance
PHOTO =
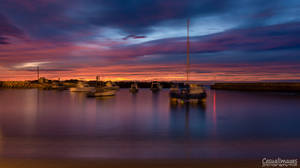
62,124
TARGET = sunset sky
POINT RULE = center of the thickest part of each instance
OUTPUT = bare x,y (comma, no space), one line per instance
231,40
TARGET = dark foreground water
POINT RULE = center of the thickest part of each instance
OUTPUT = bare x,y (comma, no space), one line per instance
61,124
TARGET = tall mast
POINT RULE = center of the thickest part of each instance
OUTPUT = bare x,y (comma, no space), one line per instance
38,72
97,79
188,52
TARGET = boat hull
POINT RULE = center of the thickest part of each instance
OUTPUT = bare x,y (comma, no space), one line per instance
133,90
112,88
105,93
186,97
84,89
59,87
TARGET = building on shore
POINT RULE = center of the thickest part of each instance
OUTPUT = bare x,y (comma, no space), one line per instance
43,80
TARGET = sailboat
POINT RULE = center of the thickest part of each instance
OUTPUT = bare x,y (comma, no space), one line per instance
189,92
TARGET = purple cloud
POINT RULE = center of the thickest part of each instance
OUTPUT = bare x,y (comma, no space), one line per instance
8,29
133,37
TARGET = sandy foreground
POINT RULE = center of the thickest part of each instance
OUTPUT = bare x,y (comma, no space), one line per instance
117,163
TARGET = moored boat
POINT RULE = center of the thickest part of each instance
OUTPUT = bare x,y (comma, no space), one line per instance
188,93
101,92
111,85
155,86
58,86
81,87
134,88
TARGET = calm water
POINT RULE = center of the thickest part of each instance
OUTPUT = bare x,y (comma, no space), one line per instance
60,124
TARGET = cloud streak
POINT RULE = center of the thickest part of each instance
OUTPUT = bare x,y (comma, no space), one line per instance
7,29
83,35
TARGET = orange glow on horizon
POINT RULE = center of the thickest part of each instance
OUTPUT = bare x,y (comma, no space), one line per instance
68,61
161,72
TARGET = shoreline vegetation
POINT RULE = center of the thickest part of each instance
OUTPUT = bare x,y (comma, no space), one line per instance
239,86
55,84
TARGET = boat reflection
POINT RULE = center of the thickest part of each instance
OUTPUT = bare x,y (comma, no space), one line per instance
105,98
188,120
45,123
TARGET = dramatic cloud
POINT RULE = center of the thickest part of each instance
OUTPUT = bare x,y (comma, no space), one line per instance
8,30
88,35
133,36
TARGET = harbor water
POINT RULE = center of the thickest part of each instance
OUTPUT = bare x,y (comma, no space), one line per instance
230,124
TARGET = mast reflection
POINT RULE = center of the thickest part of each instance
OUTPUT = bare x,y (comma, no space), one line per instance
187,120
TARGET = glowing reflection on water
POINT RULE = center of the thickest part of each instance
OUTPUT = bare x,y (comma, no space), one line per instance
36,123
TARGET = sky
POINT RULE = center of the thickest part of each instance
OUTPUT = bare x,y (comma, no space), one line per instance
230,40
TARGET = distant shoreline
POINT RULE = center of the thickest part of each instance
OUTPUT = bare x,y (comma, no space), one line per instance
55,84
241,86
259,86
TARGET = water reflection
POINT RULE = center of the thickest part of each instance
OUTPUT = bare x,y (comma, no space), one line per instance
40,122
1,139
31,107
187,119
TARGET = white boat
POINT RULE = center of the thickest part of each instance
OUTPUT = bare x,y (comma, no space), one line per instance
111,85
134,88
81,87
101,92
58,86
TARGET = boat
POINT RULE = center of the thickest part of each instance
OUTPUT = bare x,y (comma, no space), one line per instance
58,86
190,92
111,85
174,88
81,87
134,88
155,86
101,91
